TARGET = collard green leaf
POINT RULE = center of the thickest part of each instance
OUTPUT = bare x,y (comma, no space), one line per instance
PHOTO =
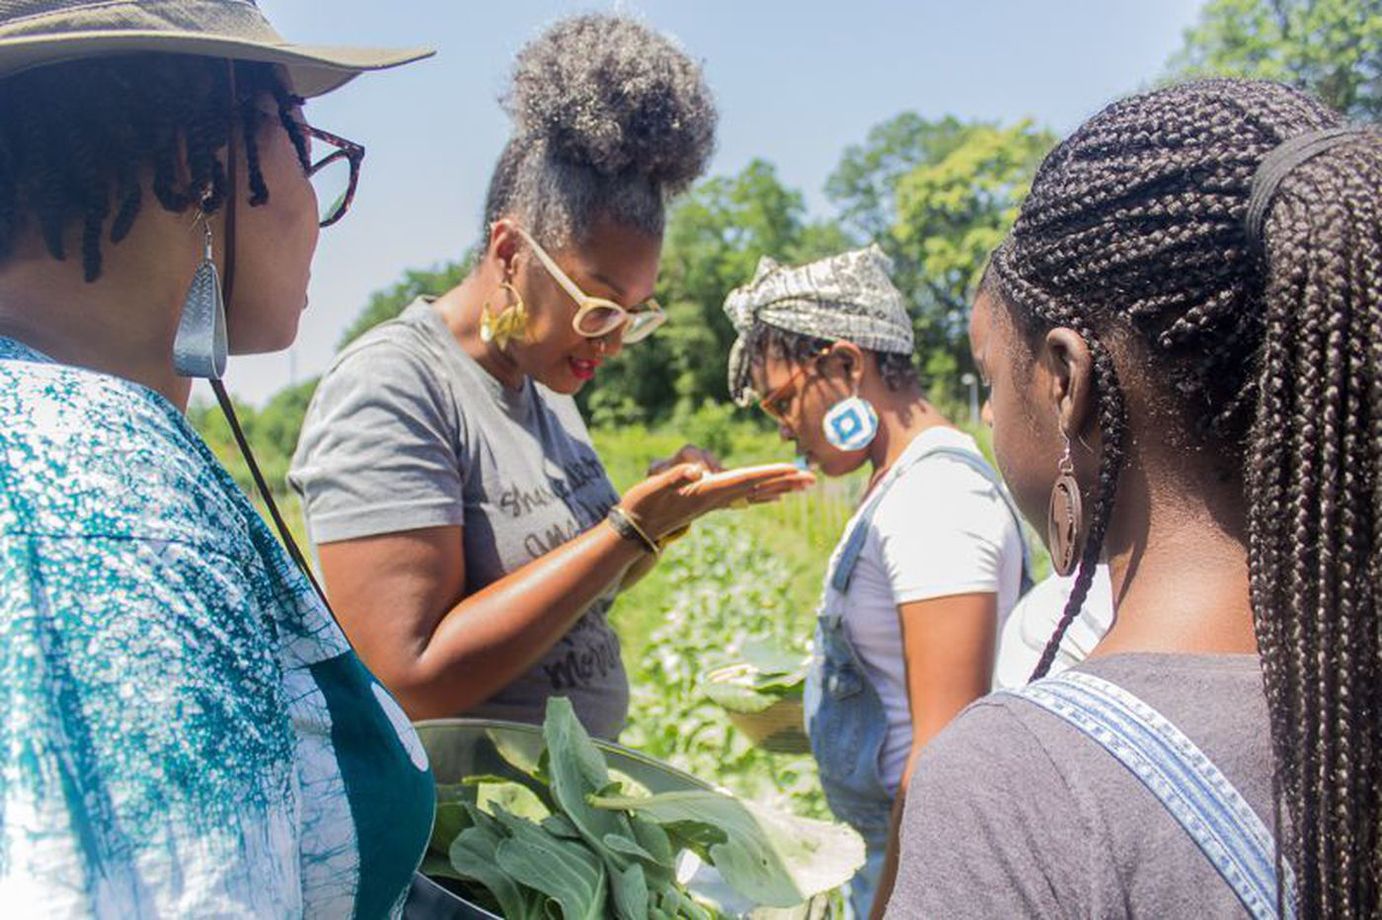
738,697
628,847
564,870
525,758
559,825
512,797
474,857
776,860
630,890
577,770
438,866
517,763
653,838
451,818
781,685
769,658
674,902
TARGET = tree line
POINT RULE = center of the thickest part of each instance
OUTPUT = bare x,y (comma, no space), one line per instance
936,194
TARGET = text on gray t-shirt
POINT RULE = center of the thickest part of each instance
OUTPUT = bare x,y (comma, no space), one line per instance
406,431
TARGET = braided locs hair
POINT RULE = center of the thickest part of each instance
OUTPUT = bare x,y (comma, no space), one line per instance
1272,359
80,140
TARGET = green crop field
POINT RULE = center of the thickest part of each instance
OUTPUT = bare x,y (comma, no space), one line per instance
751,574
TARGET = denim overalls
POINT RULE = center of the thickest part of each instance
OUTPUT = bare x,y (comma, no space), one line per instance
1186,782
845,718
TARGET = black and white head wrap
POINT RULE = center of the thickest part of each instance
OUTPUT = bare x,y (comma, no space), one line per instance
847,297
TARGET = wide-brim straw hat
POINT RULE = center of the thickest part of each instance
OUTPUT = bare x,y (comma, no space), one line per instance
34,33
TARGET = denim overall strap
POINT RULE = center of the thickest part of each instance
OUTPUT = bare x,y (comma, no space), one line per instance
1177,772
981,466
858,535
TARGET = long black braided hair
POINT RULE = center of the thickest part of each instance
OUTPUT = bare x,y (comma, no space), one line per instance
1270,358
80,141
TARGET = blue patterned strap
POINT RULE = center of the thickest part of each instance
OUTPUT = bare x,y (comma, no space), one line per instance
1180,775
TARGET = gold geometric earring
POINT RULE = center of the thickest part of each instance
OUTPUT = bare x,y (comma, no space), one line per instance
509,323
1065,516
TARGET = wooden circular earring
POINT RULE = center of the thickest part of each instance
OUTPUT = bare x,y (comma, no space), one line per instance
1065,516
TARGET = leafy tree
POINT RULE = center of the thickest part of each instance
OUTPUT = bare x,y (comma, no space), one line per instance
386,304
1330,47
937,196
950,214
864,185
271,431
714,239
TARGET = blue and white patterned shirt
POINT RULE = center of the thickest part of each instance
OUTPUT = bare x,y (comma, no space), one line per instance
183,728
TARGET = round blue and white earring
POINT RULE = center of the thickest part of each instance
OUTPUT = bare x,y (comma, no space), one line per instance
851,424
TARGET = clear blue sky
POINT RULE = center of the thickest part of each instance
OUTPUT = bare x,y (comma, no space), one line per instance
796,83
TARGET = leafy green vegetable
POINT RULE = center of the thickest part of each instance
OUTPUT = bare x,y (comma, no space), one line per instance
474,856
739,697
769,658
767,674
775,859
603,852
564,870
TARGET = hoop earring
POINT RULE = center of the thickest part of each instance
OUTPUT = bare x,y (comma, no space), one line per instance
1065,518
509,323
200,346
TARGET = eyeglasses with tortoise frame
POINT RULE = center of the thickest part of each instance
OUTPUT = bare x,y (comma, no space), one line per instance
354,153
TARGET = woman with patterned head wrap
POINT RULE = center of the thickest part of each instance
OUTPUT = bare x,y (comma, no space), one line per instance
931,561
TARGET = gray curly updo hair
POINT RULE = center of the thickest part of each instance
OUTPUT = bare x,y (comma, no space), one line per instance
610,120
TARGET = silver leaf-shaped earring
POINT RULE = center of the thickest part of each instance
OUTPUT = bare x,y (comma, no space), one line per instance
200,348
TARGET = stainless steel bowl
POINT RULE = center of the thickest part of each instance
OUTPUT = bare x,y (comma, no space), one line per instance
466,747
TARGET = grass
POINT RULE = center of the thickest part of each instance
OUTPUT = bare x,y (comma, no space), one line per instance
801,530
751,573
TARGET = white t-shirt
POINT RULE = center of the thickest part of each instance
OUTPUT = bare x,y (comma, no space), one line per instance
1033,621
941,529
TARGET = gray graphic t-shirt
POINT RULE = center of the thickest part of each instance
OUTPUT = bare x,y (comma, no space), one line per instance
407,431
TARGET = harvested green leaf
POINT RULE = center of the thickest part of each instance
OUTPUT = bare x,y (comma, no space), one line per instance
776,860
771,658
630,889
564,870
451,818
560,825
767,675
738,697
474,856
514,797
603,852
652,838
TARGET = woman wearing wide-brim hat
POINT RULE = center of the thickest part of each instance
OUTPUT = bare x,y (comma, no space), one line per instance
186,731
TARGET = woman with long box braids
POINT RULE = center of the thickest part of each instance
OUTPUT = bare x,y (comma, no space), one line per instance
1183,334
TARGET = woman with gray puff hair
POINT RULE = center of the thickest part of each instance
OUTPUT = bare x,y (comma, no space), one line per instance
466,529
